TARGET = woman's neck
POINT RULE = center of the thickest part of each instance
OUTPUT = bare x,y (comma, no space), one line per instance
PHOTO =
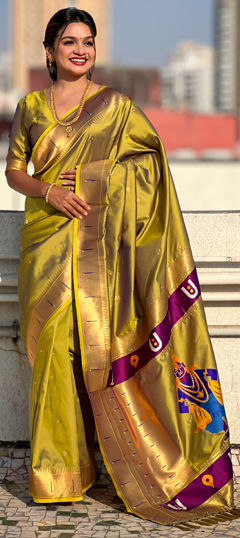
64,85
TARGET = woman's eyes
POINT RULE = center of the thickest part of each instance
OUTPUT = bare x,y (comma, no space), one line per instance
70,42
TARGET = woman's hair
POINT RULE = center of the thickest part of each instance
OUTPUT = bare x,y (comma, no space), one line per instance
59,21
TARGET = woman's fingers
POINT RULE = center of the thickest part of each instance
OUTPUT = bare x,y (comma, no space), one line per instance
69,177
81,202
68,213
68,174
68,183
79,208
68,202
73,212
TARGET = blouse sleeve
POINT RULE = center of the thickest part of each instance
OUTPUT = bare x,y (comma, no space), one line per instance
19,151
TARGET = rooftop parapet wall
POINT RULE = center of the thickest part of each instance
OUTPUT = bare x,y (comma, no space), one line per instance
215,241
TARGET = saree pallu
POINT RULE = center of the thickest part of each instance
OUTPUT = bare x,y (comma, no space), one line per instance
147,360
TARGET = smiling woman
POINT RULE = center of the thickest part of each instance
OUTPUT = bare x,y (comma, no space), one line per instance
73,44
69,57
110,303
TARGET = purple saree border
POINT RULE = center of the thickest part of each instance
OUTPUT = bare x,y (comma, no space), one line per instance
216,476
179,303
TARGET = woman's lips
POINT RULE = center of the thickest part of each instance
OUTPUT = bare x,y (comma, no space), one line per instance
78,61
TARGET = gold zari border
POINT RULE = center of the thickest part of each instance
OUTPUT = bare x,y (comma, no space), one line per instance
91,285
64,486
133,482
16,164
56,295
157,310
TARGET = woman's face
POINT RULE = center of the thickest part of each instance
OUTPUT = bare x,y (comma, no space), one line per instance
74,51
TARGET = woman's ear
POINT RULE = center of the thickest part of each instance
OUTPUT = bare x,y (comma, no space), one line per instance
49,52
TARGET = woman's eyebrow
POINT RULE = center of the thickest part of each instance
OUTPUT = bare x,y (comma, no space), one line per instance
74,37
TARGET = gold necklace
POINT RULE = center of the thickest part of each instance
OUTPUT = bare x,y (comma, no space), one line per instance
68,124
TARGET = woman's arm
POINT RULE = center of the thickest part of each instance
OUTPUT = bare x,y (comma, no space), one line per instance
63,200
29,186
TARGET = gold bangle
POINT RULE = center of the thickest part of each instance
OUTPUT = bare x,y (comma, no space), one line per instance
48,191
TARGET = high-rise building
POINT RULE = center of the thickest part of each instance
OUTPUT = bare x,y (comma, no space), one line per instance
188,78
227,44
30,19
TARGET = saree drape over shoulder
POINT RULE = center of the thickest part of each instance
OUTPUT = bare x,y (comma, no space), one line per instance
147,360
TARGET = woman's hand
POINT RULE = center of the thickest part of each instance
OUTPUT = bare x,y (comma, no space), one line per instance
67,201
70,178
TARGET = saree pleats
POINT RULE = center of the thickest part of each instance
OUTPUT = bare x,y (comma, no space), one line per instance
61,467
124,279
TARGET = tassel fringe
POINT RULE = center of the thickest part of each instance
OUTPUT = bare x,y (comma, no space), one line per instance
209,520
183,527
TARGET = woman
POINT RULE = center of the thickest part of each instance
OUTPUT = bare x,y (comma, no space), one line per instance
107,281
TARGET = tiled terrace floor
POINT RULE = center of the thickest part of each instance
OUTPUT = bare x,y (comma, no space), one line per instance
100,515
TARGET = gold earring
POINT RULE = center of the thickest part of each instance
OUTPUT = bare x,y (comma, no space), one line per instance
50,60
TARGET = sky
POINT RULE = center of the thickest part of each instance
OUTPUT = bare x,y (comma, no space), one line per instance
4,4
145,32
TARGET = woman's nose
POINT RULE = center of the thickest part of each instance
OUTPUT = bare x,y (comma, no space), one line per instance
79,48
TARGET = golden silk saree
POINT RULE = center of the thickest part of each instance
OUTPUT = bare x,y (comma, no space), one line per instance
147,360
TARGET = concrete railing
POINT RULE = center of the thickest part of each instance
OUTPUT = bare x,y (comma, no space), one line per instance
215,242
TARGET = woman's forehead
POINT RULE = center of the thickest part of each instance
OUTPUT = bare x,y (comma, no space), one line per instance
76,29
